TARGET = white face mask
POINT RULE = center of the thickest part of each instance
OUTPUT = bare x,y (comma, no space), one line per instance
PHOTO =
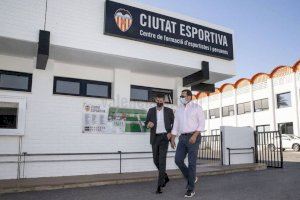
183,101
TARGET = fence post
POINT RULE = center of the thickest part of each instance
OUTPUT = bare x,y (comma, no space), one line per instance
19,165
221,144
255,148
229,156
24,162
281,153
120,161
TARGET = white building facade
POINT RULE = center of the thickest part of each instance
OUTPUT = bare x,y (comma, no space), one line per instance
46,111
266,102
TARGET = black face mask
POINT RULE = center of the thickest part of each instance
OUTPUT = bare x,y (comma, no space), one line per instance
159,104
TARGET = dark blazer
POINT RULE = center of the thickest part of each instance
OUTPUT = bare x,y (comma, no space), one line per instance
168,118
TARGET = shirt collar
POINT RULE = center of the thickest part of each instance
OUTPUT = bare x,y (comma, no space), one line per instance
162,108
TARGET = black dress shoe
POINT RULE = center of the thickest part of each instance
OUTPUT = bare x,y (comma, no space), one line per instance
166,181
158,191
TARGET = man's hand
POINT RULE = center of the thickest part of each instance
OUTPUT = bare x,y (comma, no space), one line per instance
193,139
173,145
169,136
150,124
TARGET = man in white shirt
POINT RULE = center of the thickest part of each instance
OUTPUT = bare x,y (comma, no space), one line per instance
189,122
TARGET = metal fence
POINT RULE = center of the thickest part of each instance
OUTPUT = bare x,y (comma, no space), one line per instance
25,158
210,147
269,148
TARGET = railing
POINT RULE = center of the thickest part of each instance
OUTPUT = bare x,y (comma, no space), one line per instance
231,151
210,147
269,148
22,159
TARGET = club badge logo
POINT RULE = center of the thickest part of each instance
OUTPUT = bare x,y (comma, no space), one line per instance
123,19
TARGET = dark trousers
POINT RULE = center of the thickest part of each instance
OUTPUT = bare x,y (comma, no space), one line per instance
159,150
184,148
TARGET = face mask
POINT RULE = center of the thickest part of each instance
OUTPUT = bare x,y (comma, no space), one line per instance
183,101
159,104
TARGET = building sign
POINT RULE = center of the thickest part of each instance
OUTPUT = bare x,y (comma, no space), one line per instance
134,23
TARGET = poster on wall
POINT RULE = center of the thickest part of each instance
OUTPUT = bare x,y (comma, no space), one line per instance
126,120
113,120
94,118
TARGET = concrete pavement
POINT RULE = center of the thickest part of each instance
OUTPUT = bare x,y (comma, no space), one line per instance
273,184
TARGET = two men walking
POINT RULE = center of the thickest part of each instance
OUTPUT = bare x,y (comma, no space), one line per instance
188,123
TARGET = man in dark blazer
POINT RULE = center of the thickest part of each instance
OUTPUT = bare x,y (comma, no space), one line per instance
160,120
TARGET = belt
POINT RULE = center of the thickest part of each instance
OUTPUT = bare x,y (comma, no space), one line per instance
190,133
160,133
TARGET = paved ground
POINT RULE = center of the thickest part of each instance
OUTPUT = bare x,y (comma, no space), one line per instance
291,156
274,184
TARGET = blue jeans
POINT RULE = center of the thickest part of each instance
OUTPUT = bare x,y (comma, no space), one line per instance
184,148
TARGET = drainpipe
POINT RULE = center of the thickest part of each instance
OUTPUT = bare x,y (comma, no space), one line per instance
273,104
296,104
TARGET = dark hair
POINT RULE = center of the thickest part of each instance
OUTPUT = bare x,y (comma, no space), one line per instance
188,92
160,95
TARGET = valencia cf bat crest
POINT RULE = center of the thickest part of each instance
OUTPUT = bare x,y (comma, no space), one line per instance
123,19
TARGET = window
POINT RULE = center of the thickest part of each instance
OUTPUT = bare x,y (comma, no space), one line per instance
18,81
96,90
205,114
8,115
286,128
215,132
243,108
261,105
228,111
214,113
263,128
284,100
148,94
79,87
12,115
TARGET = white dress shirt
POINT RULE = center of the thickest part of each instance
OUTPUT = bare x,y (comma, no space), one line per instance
189,118
160,124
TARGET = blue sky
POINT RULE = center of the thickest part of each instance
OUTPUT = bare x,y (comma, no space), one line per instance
267,32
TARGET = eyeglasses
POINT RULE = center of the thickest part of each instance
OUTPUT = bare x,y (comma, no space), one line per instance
181,96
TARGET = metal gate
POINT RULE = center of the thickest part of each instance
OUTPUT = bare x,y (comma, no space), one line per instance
210,148
269,148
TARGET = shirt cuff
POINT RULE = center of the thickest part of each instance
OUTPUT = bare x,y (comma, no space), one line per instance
174,133
201,129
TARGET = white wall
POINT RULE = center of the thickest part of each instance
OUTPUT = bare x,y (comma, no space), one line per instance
267,89
54,122
78,25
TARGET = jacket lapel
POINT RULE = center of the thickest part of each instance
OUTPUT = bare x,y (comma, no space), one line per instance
155,116
165,118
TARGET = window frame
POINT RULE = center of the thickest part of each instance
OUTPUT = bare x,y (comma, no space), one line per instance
209,113
282,94
215,132
228,110
150,89
82,87
261,105
21,116
285,123
237,108
14,73
264,127
205,114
